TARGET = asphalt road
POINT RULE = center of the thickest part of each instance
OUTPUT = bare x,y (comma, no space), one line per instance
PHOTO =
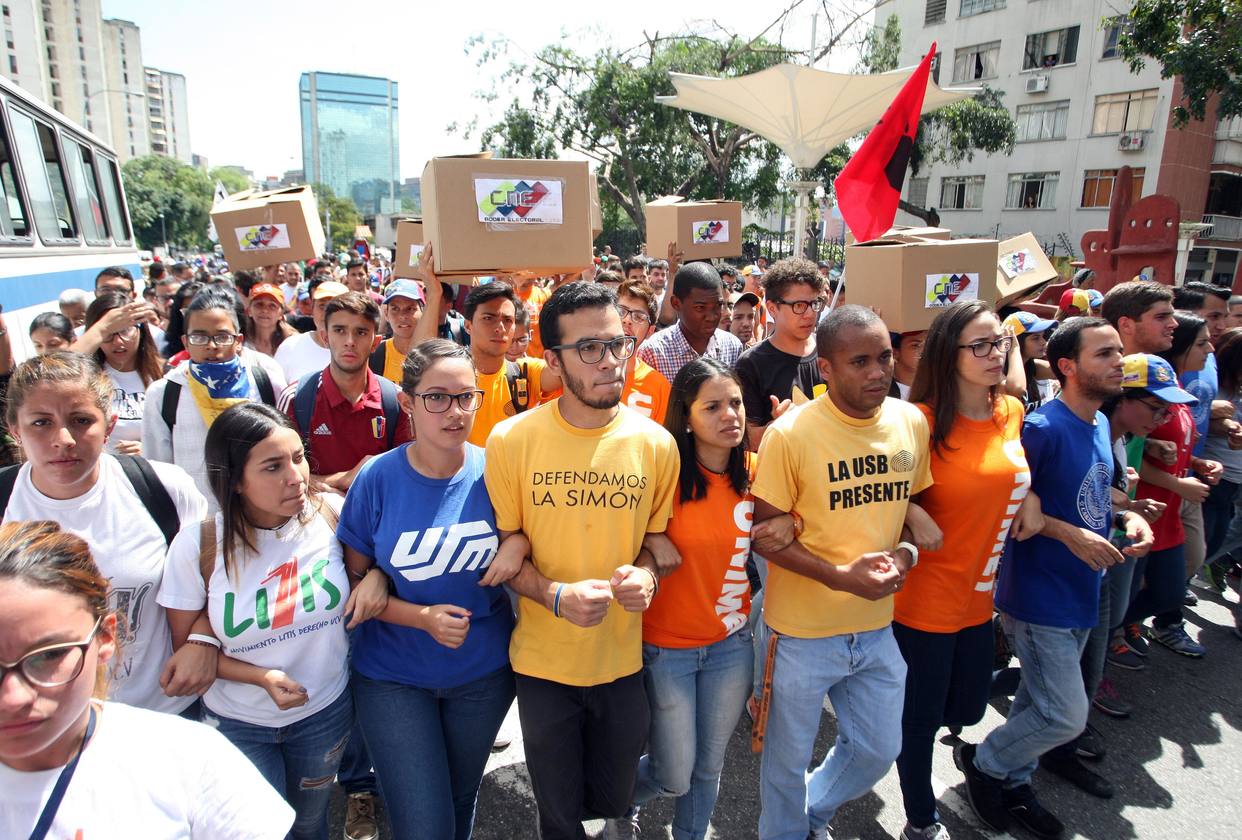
1176,764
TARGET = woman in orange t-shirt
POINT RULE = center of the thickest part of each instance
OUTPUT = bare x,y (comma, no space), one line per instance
697,644
943,612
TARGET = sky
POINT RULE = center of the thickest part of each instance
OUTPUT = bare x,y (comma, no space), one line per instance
242,60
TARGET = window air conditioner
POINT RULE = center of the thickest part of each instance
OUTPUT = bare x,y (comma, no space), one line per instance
1131,141
1037,84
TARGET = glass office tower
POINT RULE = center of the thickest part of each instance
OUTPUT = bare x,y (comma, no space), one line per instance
349,138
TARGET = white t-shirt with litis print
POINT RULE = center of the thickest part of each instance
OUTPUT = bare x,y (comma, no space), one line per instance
129,549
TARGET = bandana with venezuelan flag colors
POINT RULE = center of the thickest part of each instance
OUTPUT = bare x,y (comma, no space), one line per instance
217,386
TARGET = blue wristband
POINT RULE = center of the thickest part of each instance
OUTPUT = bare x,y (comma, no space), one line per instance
556,601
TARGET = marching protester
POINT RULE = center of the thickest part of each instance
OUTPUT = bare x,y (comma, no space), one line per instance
265,327
130,359
646,390
50,331
308,352
1224,445
1031,332
403,308
431,680
697,297
74,763
128,510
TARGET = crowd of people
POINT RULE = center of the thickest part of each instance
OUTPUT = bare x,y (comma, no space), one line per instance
346,520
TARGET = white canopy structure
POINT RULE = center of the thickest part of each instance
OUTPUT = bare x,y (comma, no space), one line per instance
804,111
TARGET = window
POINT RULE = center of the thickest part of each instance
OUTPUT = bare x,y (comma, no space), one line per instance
935,68
934,12
1097,186
81,165
1118,112
976,7
1032,191
916,192
1050,49
961,193
977,62
45,179
13,223
1112,34
118,222
1042,121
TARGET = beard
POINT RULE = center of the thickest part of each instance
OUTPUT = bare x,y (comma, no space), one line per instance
1098,388
578,388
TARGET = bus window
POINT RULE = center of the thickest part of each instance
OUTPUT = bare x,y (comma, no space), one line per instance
45,181
117,220
81,165
13,224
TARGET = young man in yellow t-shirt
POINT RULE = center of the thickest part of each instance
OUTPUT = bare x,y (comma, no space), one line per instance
586,480
403,308
847,463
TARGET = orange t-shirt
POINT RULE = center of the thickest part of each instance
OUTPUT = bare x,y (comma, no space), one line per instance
981,479
708,597
646,390
534,297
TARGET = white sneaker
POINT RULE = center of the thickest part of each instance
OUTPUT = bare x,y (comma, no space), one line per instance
935,831
821,833
622,828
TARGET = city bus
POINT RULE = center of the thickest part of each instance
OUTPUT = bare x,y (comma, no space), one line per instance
66,218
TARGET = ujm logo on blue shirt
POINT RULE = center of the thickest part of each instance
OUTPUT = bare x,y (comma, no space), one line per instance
463,547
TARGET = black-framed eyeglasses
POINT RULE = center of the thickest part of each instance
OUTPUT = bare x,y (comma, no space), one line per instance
54,665
219,339
638,316
438,402
1159,413
800,307
591,350
983,349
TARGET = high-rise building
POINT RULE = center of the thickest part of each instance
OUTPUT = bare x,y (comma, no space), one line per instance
167,114
349,138
25,59
1081,115
123,71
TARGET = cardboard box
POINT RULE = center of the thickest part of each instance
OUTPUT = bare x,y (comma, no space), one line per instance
487,216
597,213
409,246
1021,268
910,279
903,230
258,228
703,230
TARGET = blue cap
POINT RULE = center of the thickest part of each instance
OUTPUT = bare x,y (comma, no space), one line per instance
1095,298
1028,322
1154,375
406,289
303,290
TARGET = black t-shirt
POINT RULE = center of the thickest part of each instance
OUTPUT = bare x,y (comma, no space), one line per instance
768,372
301,323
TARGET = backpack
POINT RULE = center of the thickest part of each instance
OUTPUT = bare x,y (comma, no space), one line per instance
379,356
304,407
172,395
518,377
142,478
207,542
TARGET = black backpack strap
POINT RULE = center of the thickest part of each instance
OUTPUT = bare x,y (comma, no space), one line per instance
153,493
263,382
519,385
378,357
392,409
304,406
8,480
168,408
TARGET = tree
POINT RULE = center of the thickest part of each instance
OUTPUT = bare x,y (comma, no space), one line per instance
232,179
156,185
1198,40
343,212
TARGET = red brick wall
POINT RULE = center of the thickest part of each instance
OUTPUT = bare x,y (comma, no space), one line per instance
1186,160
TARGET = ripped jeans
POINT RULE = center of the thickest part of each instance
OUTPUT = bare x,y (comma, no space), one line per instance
299,760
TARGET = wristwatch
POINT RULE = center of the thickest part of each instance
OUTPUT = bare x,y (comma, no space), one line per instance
913,549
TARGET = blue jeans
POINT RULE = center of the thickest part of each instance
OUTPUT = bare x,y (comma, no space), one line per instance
1114,604
430,747
864,676
300,759
1164,573
1218,514
1050,707
696,697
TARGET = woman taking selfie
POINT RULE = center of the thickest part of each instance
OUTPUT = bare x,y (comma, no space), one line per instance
73,765
129,358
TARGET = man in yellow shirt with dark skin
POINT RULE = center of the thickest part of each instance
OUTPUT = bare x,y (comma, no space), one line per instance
587,481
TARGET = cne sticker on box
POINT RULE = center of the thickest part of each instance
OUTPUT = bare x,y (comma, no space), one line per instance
503,201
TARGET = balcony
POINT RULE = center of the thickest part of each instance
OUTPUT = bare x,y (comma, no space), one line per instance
1228,142
1222,227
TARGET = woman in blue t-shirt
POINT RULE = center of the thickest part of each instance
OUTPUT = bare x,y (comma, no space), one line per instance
431,674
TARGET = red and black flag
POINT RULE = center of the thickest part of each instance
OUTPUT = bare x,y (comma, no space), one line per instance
869,186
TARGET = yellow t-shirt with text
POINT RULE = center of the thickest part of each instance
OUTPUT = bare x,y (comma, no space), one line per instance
497,400
585,498
851,481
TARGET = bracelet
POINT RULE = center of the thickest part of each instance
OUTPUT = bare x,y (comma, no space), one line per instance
799,523
200,639
655,579
556,600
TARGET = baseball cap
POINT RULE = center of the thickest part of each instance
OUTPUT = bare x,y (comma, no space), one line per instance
1154,375
269,291
1023,323
747,297
751,271
303,290
406,289
1095,297
330,289
1075,299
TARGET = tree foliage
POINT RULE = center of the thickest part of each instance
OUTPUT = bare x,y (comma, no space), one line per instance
1199,40
232,179
342,212
156,185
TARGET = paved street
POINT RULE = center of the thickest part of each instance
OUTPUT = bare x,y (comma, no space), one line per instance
1176,764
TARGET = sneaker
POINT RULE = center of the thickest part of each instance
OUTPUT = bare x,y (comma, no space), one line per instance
1025,809
1175,638
1090,744
1122,655
1190,599
1135,638
821,833
1214,576
360,821
622,828
1108,701
984,793
935,831
1067,765
501,743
